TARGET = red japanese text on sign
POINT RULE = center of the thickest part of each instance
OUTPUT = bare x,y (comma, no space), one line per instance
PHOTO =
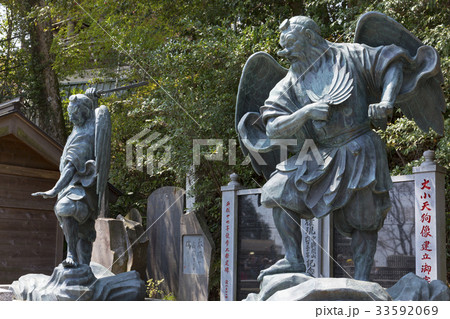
425,256
425,184
426,269
425,232
425,218
424,196
426,246
426,205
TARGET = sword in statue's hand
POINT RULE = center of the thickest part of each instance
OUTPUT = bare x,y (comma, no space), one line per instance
126,87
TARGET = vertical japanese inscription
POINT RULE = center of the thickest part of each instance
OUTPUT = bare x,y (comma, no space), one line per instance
193,255
311,229
425,213
227,251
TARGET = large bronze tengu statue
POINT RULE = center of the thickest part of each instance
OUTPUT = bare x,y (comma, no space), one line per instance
84,168
333,94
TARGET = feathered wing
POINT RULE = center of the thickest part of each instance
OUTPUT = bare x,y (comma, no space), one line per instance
422,98
260,74
102,151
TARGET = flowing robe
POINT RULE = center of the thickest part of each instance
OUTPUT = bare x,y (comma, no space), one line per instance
354,181
79,199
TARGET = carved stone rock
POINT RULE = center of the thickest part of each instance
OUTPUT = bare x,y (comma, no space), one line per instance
79,284
301,287
412,287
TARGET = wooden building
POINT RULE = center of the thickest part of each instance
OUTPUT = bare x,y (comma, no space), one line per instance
31,240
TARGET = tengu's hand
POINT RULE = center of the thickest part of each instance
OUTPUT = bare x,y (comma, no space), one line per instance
318,111
48,194
93,95
382,110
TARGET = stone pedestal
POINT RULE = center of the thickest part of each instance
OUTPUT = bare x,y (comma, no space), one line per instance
79,284
302,287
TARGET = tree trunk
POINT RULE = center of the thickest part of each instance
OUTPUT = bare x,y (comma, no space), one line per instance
6,91
297,7
45,87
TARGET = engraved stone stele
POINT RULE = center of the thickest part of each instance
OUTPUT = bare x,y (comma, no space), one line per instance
430,219
180,246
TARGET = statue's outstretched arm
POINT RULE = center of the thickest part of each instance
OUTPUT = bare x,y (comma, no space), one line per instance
64,180
392,82
289,125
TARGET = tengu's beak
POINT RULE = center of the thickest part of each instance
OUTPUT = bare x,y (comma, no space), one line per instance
283,53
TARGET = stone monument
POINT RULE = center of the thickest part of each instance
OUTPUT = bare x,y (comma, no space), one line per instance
80,192
327,103
180,246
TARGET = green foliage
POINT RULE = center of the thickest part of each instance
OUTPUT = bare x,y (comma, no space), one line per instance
405,144
154,290
15,56
98,34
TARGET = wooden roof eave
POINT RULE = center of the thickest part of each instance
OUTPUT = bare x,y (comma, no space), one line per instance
12,121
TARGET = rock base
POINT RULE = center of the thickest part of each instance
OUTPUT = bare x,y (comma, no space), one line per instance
301,287
80,283
413,288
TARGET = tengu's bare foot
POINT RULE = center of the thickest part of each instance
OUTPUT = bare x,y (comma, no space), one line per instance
283,266
69,263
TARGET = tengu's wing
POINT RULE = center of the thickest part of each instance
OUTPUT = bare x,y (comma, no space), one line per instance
421,97
102,151
260,74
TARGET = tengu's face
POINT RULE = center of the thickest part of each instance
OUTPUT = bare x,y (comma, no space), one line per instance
295,46
76,115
